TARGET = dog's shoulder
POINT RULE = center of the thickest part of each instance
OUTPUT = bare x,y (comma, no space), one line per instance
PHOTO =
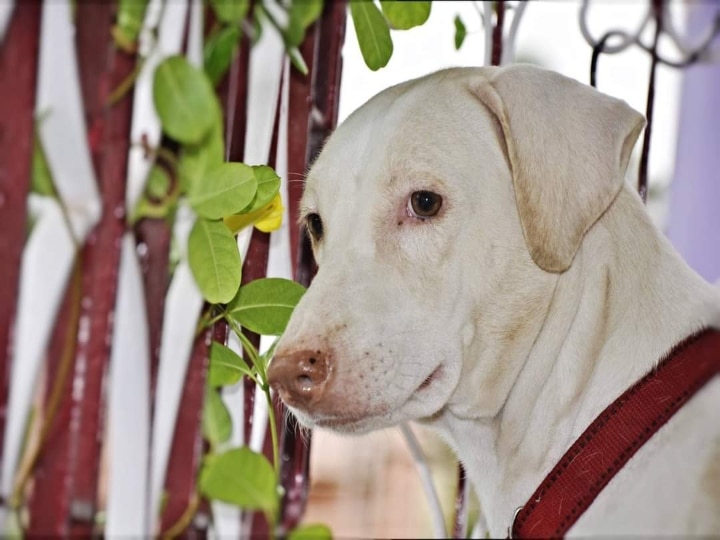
672,484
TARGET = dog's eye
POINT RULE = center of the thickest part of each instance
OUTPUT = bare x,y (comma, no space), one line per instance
314,225
424,204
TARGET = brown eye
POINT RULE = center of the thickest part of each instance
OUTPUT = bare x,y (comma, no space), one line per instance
424,204
315,226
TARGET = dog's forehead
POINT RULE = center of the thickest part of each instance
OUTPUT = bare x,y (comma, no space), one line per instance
415,123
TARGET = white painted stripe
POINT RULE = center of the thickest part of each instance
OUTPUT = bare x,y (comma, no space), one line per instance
264,71
279,262
6,11
145,122
182,308
48,255
46,264
195,34
129,404
61,125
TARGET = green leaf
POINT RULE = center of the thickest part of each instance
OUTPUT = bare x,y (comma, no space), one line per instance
227,189
130,17
184,100
373,33
226,366
196,160
243,478
406,14
268,184
314,531
214,260
257,23
265,305
460,32
297,60
219,52
230,11
41,179
216,422
156,202
208,459
302,14
158,183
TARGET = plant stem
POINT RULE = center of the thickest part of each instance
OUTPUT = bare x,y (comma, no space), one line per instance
56,393
206,320
125,85
249,349
177,528
167,156
215,319
260,368
273,430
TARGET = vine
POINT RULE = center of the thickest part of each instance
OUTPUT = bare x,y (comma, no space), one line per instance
227,198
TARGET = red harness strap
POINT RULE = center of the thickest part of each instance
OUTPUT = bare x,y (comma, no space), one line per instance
615,435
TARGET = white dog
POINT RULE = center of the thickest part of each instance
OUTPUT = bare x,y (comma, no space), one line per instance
484,269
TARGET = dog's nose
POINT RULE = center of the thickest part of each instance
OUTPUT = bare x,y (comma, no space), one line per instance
300,377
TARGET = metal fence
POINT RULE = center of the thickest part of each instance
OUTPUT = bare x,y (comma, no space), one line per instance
101,383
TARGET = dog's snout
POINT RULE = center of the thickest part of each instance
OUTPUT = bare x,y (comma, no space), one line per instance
300,376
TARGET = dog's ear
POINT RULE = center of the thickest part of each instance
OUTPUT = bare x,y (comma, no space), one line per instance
568,147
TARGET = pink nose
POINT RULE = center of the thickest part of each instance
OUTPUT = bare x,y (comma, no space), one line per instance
300,377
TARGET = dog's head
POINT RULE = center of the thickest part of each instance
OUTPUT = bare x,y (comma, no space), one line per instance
441,213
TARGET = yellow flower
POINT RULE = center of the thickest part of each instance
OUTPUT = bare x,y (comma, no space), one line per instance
267,219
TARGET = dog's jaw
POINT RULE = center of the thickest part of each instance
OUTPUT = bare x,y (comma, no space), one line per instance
371,386
426,403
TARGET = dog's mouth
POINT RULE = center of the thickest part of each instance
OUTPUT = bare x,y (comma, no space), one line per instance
346,425
365,421
429,379
356,424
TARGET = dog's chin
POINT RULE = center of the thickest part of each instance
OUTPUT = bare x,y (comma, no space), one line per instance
426,402
357,424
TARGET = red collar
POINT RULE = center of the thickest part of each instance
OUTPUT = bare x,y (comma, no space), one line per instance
615,435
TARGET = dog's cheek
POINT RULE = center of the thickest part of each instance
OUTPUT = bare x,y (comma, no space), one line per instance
418,249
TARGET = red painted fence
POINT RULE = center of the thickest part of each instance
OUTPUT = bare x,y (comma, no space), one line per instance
64,479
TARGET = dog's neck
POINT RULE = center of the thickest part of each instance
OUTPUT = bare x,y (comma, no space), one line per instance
605,327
